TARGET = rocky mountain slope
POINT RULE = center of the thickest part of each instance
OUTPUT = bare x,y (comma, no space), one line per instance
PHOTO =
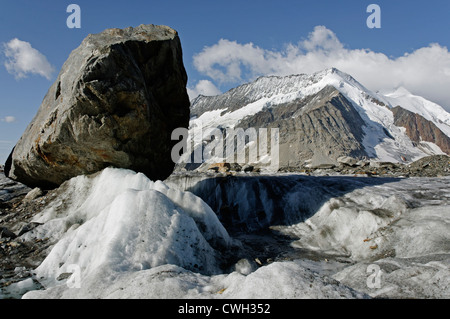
420,129
323,127
326,115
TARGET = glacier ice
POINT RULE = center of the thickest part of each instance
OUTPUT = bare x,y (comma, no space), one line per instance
277,280
119,221
130,237
360,221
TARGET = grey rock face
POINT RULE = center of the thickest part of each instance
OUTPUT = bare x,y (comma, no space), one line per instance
315,130
115,103
321,127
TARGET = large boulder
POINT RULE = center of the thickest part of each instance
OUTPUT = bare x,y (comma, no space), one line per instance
116,101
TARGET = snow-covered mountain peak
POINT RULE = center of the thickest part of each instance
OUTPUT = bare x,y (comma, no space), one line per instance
300,85
383,139
429,110
398,92
279,89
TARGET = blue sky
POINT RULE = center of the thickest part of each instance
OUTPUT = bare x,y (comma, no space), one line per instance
255,37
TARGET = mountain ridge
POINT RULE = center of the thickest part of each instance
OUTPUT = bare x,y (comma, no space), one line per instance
382,140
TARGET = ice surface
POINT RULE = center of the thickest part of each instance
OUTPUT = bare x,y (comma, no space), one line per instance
139,230
401,227
83,198
269,200
119,221
381,219
119,235
365,220
18,289
400,277
278,280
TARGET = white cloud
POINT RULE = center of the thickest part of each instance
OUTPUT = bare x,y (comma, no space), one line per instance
425,72
23,59
203,87
8,119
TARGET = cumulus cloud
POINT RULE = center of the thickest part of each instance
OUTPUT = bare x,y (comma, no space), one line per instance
8,119
425,72
203,87
22,59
